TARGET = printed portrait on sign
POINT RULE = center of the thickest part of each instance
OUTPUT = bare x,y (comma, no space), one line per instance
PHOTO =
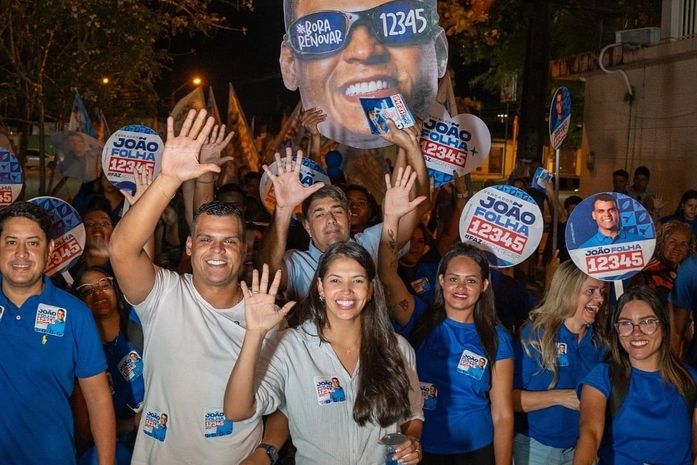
336,52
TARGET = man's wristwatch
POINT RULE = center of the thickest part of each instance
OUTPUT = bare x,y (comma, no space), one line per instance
271,452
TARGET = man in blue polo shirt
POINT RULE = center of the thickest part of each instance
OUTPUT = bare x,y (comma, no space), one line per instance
47,339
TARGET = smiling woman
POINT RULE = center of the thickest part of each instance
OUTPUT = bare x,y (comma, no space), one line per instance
649,396
560,343
122,340
351,377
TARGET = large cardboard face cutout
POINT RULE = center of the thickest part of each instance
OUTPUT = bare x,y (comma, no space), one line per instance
336,52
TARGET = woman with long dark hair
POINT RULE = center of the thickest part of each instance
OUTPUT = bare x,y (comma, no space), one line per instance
639,406
344,333
561,342
686,211
468,357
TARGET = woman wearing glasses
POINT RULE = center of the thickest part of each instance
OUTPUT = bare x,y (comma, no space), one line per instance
122,341
558,346
638,407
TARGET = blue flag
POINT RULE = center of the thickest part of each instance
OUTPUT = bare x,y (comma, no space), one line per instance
79,118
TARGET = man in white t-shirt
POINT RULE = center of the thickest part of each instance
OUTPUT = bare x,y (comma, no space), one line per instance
193,324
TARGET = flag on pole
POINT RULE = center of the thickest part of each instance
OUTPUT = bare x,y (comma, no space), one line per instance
102,128
193,99
290,128
79,118
212,106
243,140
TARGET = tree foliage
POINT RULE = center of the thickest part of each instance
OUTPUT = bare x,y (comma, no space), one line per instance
494,32
50,47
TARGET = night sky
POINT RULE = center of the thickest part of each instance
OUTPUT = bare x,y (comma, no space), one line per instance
249,62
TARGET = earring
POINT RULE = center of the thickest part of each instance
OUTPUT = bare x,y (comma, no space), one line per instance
321,298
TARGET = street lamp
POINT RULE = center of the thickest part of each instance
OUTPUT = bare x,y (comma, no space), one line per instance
105,80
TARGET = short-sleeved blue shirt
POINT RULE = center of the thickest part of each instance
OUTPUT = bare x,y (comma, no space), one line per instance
554,426
39,362
684,293
653,424
453,359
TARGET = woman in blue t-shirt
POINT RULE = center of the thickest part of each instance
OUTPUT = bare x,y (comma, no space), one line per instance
463,357
639,407
558,346
122,338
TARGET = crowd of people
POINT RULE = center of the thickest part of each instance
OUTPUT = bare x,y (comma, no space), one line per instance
222,337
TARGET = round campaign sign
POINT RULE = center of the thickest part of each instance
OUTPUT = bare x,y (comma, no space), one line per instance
310,173
453,143
559,117
67,232
128,149
11,177
78,154
505,221
610,236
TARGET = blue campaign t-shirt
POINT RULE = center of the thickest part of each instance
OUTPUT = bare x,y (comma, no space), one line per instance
38,366
125,366
555,426
452,358
420,308
653,424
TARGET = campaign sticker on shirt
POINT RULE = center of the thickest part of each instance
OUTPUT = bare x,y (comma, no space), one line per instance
610,236
310,173
131,366
457,143
67,232
215,424
429,392
421,285
50,320
131,148
472,364
505,221
329,390
11,177
155,424
562,354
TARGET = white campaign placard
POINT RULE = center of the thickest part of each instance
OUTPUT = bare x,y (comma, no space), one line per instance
130,148
67,232
457,143
610,236
505,221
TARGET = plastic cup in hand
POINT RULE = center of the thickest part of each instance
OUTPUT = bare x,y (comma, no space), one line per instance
391,442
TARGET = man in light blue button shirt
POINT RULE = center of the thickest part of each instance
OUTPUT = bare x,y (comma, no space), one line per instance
326,215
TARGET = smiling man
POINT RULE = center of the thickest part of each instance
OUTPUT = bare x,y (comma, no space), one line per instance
47,339
193,324
336,52
607,217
